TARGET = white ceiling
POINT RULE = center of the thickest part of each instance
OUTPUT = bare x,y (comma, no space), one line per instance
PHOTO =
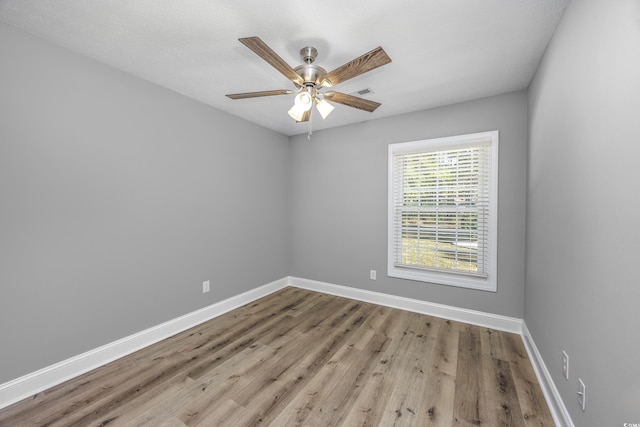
442,51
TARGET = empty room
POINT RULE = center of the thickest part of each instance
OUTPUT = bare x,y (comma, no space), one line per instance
222,213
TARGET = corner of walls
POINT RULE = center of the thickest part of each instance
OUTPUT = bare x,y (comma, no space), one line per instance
339,201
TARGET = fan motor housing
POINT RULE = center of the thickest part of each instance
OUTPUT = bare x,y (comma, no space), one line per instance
310,73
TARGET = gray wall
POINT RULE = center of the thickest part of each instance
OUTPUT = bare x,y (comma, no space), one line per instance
338,201
583,228
114,205
118,198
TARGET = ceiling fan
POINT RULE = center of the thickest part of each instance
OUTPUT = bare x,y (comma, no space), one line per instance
310,79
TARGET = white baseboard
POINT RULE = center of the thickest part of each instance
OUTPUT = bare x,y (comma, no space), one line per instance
493,321
35,382
552,396
30,384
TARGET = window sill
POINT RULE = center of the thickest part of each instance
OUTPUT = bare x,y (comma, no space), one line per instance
441,278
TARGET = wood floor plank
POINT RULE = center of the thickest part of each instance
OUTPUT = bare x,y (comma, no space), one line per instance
171,422
439,399
467,404
439,395
447,346
500,397
375,394
406,405
303,358
330,337
412,392
326,399
198,359
243,382
535,411
208,388
142,412
513,347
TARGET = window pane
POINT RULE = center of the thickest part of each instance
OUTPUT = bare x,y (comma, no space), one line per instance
442,207
441,198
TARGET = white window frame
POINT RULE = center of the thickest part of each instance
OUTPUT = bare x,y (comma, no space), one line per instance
486,283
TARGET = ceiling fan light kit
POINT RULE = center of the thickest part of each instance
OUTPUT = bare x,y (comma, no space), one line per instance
310,78
324,107
304,101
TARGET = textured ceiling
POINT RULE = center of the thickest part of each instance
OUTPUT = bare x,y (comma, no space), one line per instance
443,52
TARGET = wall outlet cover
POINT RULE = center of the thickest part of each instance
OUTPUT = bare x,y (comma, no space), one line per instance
565,365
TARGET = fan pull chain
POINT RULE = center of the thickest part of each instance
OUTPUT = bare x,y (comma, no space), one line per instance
309,132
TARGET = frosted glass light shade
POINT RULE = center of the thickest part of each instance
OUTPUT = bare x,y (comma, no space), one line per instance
296,113
324,108
304,100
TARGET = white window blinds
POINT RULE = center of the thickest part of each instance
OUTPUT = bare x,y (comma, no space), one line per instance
441,206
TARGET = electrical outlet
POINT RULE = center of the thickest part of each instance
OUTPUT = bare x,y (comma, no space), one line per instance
582,395
565,365
205,286
372,274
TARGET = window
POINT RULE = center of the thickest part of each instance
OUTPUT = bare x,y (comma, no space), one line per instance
443,210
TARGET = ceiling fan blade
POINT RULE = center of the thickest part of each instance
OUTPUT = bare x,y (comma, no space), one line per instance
305,116
257,94
352,101
367,62
266,53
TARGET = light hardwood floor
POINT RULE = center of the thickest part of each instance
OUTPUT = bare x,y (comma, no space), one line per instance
302,358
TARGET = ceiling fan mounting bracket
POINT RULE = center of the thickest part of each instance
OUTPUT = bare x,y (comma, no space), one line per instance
308,54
